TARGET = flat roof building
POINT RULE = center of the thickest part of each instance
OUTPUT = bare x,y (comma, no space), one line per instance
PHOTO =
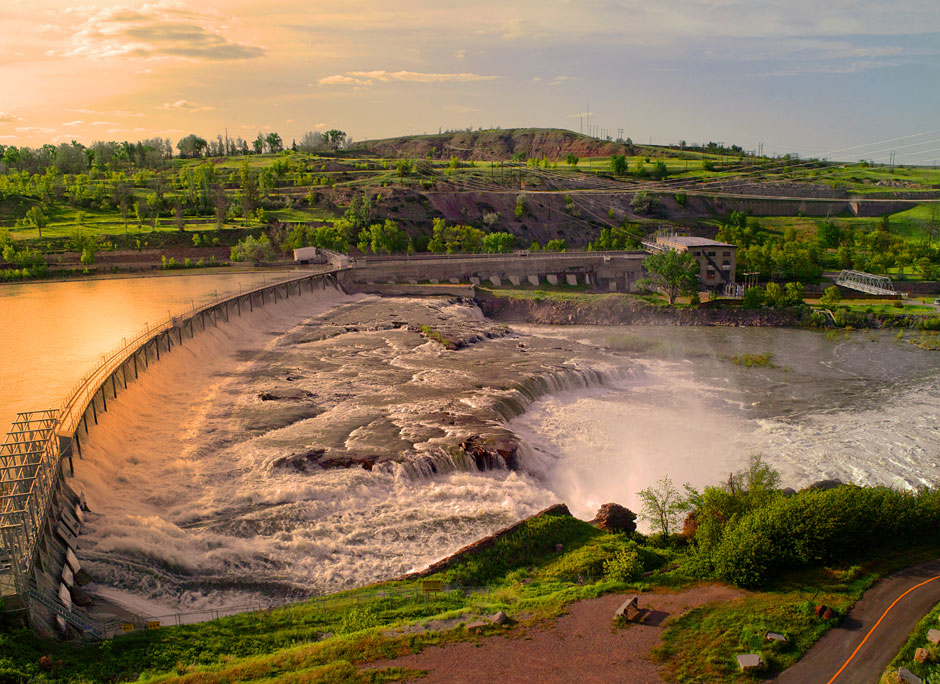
717,260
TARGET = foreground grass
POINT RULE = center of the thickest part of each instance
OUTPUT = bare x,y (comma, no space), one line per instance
701,645
928,671
532,573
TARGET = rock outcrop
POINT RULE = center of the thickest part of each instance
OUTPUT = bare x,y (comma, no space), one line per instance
613,517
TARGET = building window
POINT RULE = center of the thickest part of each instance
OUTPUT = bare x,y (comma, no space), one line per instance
710,275
711,254
725,263
727,254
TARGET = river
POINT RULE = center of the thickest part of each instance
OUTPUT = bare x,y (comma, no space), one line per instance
313,445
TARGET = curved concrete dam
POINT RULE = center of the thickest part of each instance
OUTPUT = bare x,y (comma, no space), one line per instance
334,440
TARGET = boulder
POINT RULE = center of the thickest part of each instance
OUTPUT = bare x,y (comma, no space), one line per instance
613,517
824,485
690,525
824,612
921,655
500,618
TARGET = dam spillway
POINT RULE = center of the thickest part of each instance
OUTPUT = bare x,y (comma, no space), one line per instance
40,514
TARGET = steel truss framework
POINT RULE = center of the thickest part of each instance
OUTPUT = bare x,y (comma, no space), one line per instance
866,282
29,463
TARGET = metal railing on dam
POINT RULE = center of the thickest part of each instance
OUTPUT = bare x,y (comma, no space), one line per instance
33,457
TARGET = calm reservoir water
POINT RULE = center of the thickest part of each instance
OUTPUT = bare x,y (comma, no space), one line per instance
54,333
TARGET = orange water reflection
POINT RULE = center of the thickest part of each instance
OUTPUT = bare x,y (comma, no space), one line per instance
54,333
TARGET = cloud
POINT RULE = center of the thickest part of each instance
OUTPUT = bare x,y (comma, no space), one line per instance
74,123
161,29
558,80
34,129
460,54
186,106
6,117
367,78
339,79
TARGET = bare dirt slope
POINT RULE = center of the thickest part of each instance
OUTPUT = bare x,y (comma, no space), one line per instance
581,647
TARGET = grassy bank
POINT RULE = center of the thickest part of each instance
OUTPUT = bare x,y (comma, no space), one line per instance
928,671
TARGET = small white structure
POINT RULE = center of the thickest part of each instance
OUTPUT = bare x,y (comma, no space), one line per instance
750,661
306,255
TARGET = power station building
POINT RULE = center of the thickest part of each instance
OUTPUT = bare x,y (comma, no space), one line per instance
717,260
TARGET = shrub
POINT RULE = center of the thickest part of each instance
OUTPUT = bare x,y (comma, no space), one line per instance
831,296
753,297
681,199
625,566
817,527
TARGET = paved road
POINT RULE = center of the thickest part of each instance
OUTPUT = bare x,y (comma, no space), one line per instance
829,654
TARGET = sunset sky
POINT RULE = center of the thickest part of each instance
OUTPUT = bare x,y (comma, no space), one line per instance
813,77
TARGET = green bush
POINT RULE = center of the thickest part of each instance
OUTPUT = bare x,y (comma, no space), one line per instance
819,527
753,297
625,566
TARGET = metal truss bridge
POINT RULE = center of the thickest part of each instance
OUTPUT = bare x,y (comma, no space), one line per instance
867,282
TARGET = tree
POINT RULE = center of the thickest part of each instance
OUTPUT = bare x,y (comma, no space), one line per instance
404,167
254,250
37,217
384,237
675,273
571,159
335,138
662,505
122,198
831,296
793,294
556,246
773,294
153,206
70,158
828,234
498,243
312,141
178,214
221,206
274,142
618,164
249,191
191,146
258,144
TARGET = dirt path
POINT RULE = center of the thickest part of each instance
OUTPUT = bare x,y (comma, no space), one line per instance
824,659
580,647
